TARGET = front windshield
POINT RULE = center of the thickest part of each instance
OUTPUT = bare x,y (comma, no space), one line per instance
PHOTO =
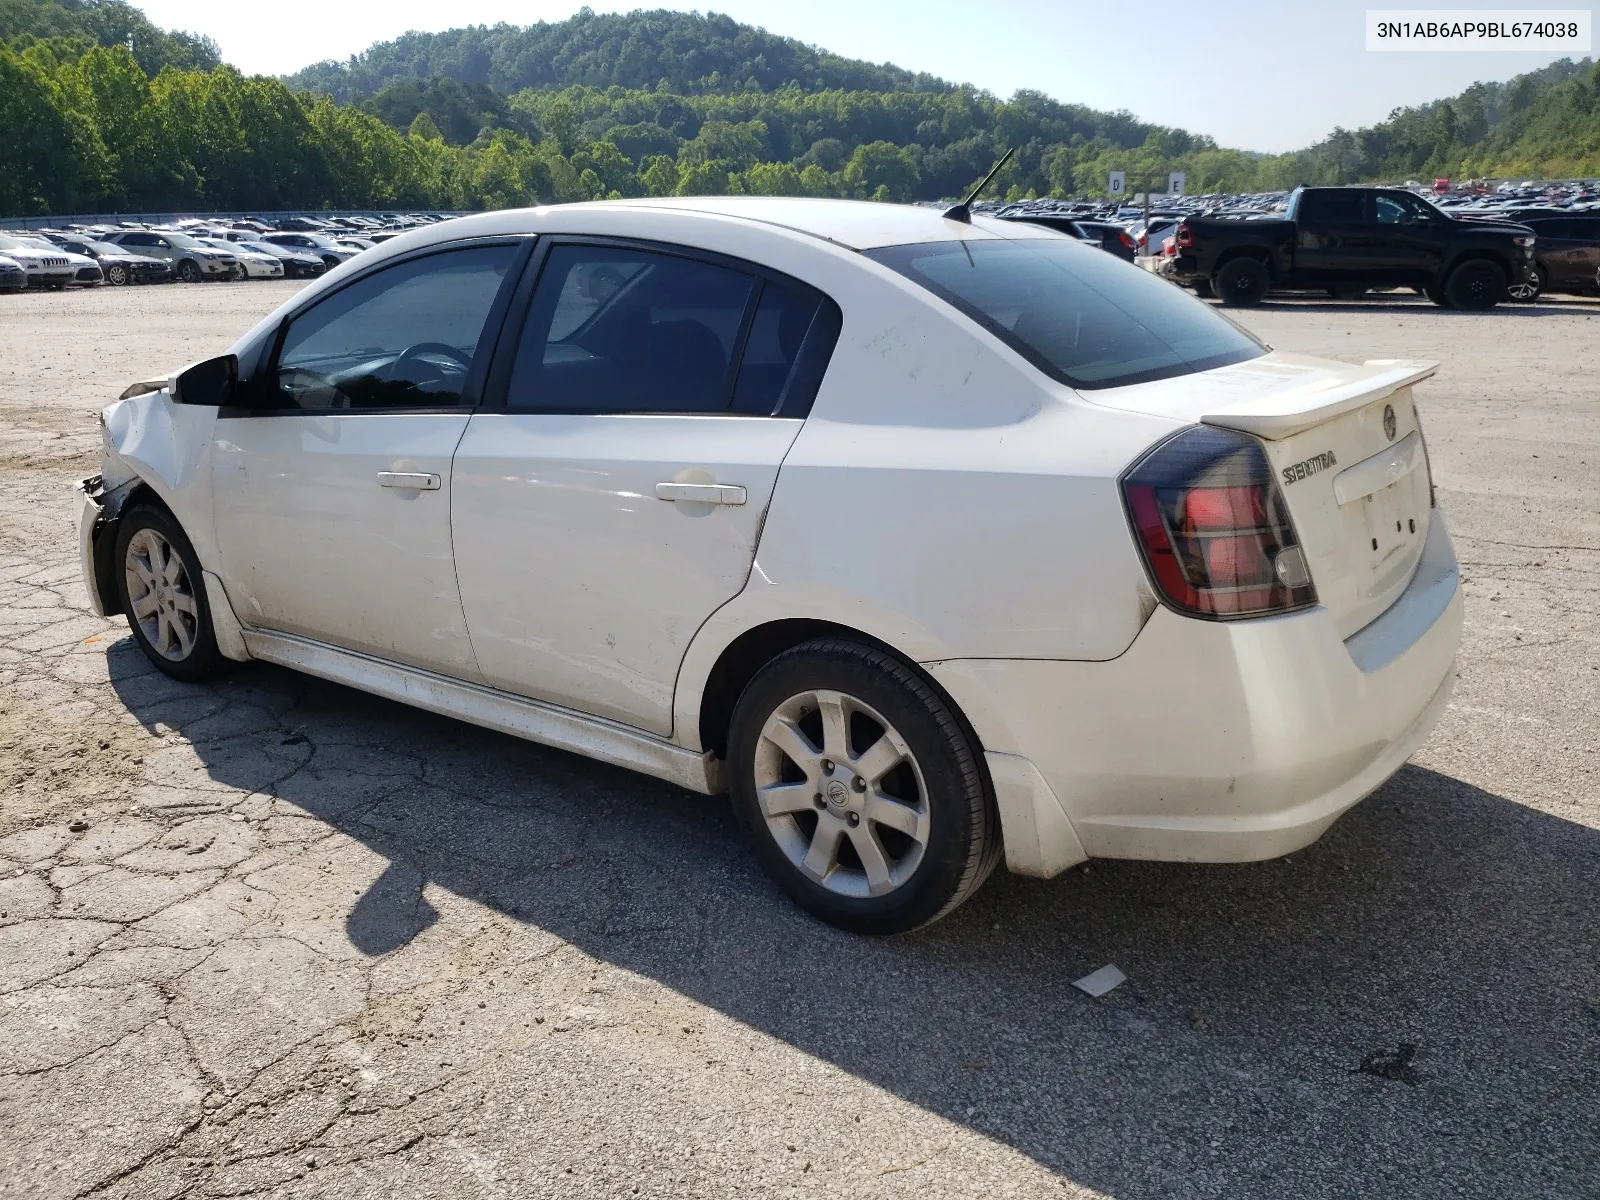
1080,315
184,241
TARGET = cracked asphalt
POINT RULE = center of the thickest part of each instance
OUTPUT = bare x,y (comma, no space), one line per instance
274,937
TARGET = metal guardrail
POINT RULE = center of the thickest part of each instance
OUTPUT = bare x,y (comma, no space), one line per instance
55,220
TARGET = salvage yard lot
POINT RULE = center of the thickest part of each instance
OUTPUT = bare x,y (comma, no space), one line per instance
276,937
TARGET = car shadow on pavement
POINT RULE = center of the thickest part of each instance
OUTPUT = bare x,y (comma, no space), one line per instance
1416,306
1408,1007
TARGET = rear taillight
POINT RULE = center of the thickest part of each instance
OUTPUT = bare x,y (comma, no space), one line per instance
1213,527
1122,236
1184,236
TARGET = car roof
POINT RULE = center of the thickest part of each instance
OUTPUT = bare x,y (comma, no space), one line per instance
857,224
852,224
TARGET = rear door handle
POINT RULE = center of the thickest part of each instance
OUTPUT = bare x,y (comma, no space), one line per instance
702,493
420,481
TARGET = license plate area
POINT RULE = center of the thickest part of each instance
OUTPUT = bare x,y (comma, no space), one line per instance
1395,533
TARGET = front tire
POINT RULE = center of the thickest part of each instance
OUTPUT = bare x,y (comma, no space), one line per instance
1525,292
1242,282
189,271
1476,286
163,595
862,795
117,275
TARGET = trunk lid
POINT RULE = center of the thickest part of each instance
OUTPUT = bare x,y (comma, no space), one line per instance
1346,447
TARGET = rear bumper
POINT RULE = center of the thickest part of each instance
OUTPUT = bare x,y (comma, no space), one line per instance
1225,741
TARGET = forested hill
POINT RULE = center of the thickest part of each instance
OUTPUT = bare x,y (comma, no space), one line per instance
643,104
106,23
1545,123
689,53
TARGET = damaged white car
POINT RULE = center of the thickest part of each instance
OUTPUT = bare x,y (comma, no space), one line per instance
930,538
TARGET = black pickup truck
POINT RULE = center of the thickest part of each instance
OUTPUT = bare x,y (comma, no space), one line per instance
1347,240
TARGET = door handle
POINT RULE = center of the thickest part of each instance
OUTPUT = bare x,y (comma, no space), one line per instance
421,481
702,493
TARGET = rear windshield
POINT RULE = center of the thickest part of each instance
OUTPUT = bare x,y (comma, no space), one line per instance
1080,315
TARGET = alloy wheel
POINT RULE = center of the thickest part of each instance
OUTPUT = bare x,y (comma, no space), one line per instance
842,794
161,595
117,275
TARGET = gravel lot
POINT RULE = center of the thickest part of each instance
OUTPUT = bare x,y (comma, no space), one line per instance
276,937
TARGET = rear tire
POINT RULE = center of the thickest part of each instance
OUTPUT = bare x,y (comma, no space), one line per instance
1203,289
863,797
163,594
1476,286
1242,282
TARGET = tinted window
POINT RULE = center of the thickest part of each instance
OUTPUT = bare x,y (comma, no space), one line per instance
784,317
137,239
1334,206
1391,209
1081,316
400,338
618,330
1570,228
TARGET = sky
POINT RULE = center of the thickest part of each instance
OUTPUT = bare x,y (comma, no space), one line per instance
1265,75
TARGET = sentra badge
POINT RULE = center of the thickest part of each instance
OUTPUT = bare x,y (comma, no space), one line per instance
1310,466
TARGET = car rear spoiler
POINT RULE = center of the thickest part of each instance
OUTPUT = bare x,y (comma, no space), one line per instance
1284,414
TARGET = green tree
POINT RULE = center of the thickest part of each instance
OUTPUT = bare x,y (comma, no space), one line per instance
882,171
51,159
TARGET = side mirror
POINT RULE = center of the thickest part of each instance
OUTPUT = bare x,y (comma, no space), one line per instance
211,383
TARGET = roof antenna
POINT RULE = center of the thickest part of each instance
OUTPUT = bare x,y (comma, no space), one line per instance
963,212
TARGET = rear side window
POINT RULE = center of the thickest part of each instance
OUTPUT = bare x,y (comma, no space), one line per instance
790,340
622,330
617,329
1335,206
1082,317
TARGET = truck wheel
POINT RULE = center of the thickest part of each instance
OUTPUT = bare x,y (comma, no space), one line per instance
862,795
1438,297
1476,286
1203,289
1242,281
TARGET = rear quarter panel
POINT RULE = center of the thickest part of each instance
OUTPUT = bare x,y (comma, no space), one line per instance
947,498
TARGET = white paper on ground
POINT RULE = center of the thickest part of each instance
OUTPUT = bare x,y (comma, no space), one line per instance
1098,983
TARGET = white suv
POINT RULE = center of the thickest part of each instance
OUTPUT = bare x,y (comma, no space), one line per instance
921,536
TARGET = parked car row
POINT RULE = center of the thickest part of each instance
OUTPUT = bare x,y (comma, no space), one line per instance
1559,224
190,251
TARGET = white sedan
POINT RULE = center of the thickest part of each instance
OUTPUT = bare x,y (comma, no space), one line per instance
256,264
929,539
